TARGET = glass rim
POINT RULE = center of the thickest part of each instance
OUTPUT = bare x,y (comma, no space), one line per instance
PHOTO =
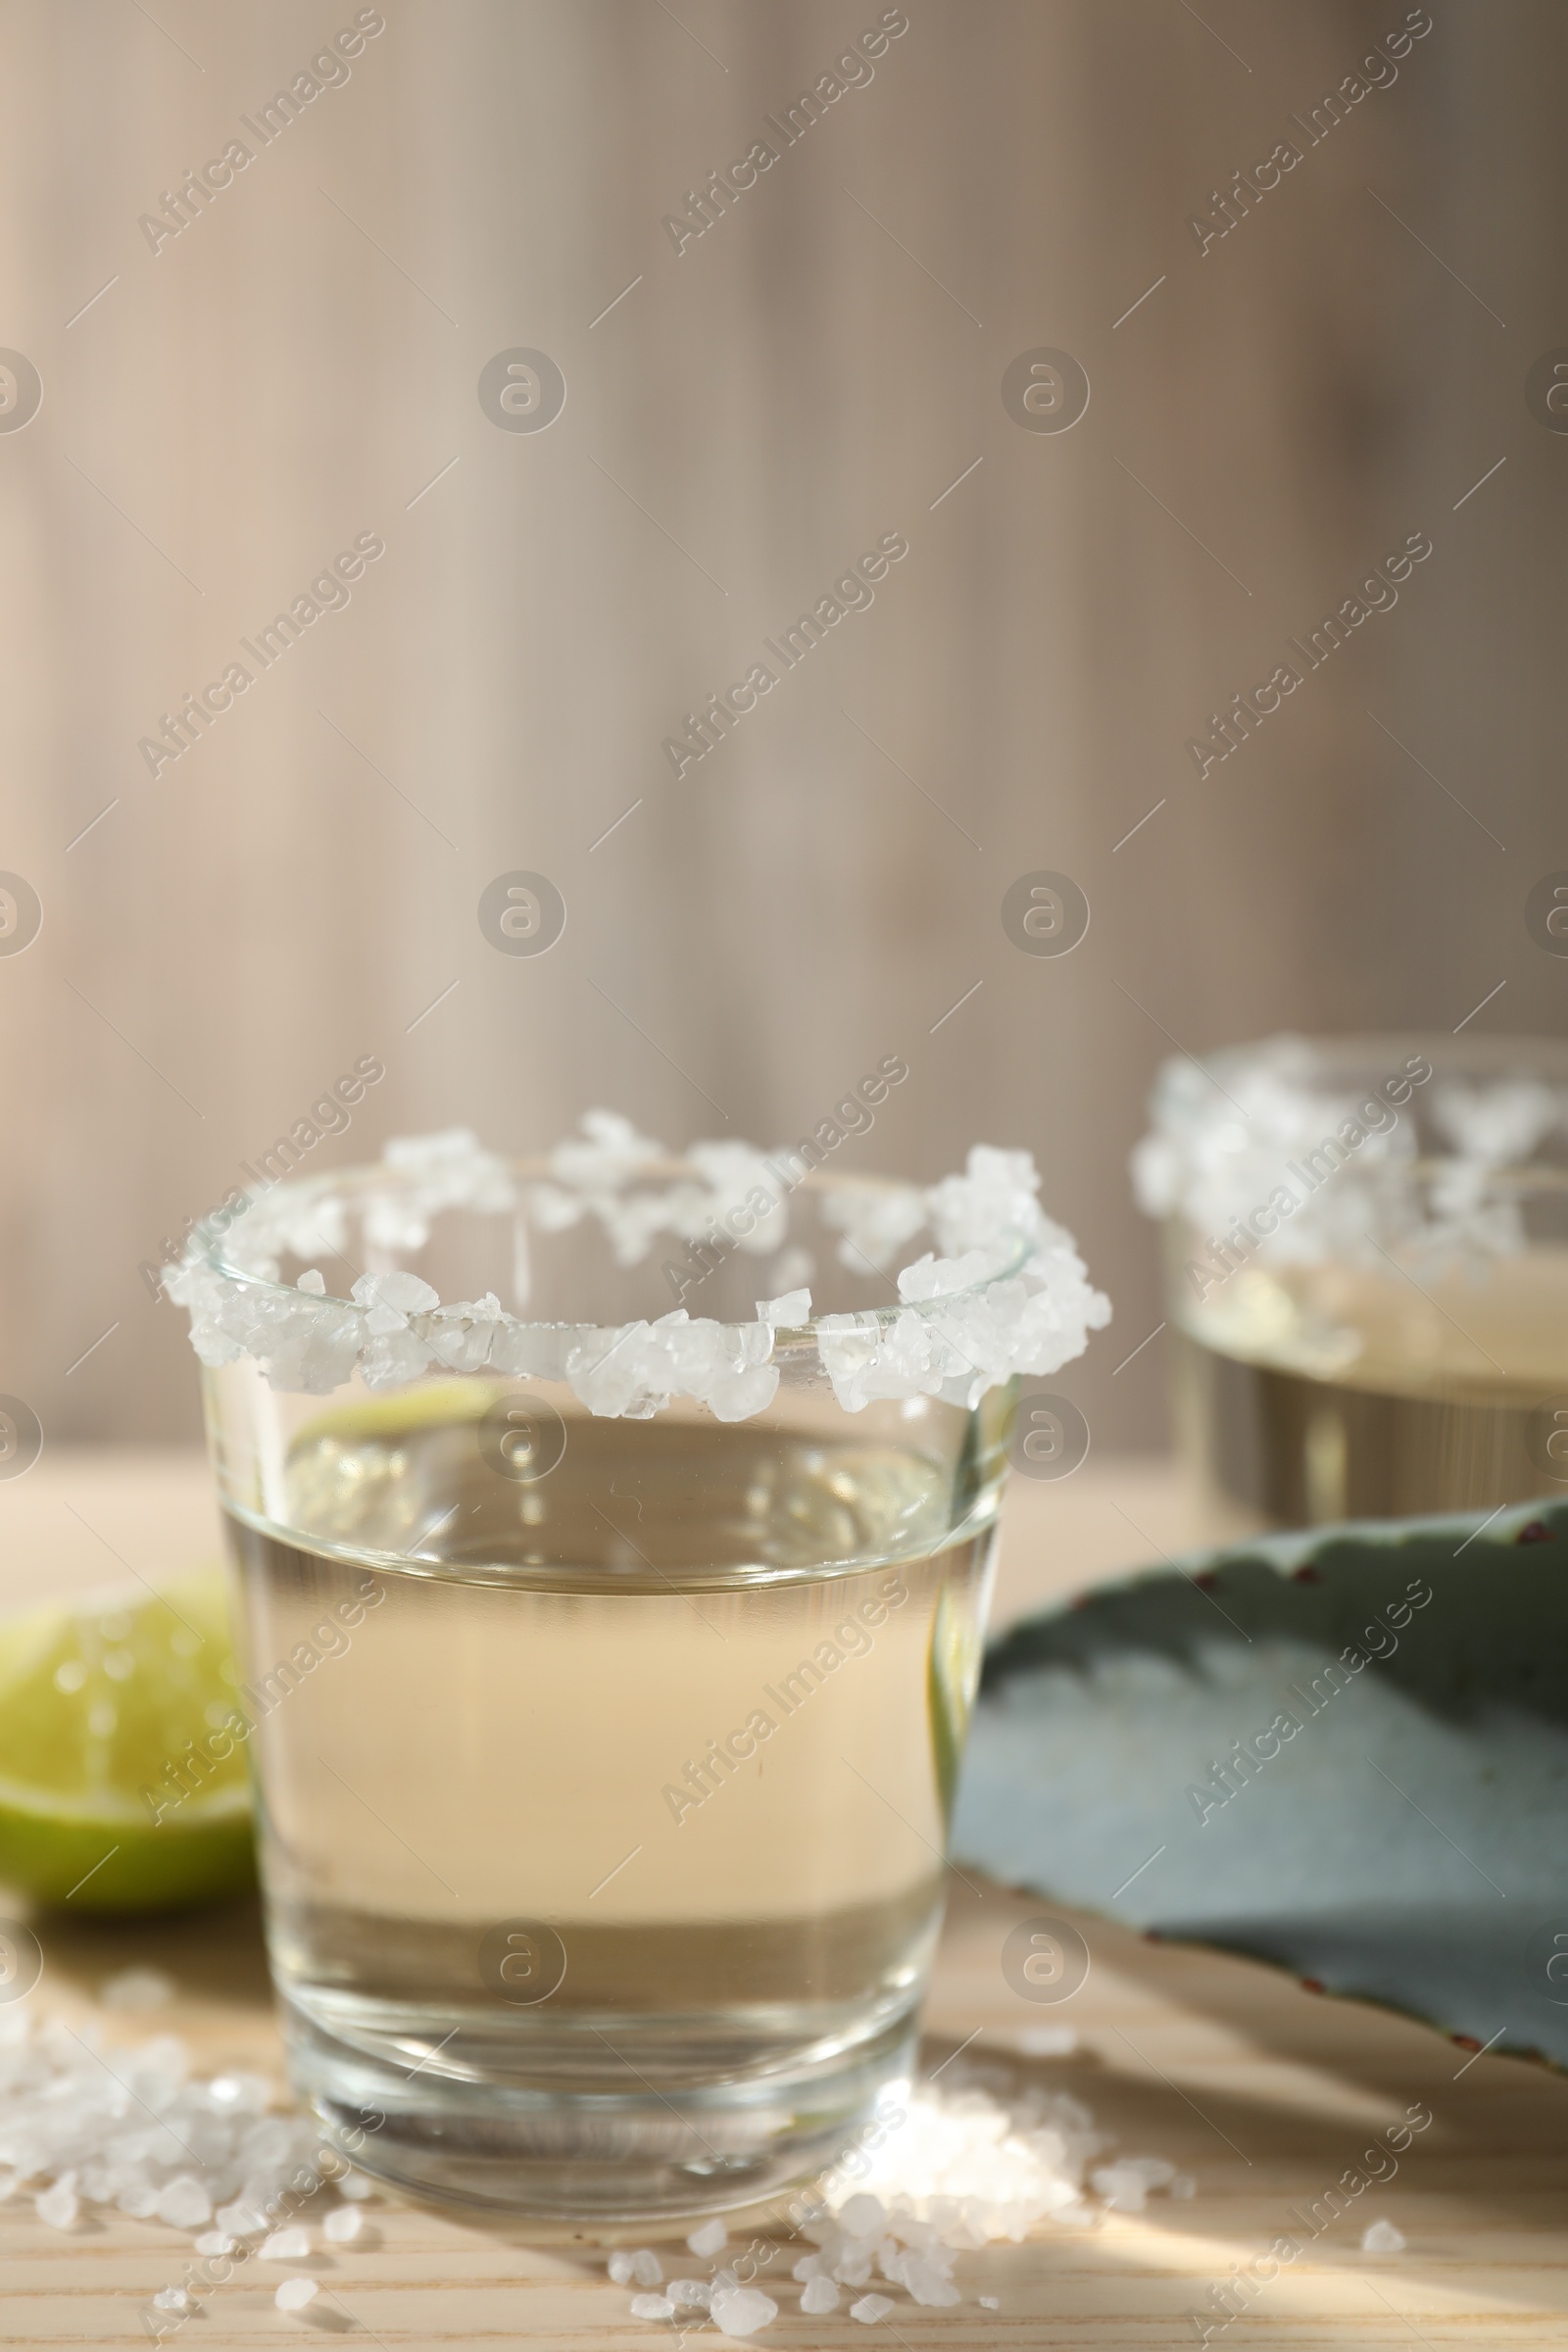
1341,1068
1341,1053
369,1177
1001,1287
1521,1176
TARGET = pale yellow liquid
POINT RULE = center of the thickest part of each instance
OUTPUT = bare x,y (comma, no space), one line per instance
510,1733
1329,1391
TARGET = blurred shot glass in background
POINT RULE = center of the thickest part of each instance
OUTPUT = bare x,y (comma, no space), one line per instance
608,1655
1366,1271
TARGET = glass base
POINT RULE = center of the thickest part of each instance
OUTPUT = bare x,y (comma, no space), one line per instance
557,2155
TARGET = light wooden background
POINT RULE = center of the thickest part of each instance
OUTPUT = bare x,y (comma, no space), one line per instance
303,359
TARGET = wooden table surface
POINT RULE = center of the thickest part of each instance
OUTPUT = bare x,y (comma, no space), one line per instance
1264,2092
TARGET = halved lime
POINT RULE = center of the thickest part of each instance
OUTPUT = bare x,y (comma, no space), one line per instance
111,1796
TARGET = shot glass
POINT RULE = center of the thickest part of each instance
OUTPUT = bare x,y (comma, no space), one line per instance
608,1656
1366,1265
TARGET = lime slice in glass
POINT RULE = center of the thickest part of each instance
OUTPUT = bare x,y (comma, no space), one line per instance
111,1796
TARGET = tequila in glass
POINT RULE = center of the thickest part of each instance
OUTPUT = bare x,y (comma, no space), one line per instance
1366,1276
603,1840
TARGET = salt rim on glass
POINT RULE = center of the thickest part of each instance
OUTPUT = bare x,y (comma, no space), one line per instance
1004,1291
1422,1144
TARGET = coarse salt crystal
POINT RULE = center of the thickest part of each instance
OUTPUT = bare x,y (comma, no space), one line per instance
689,2294
284,2246
742,2309
620,2269
1047,2041
863,2216
267,2143
170,2298
240,2219
871,2309
356,2188
646,2267
215,2241
1382,2238
136,1989
59,2206
792,1310
392,1298
246,2095
1124,2190
343,2223
927,2282
821,2295
990,2302
184,2203
295,2294
709,2239
651,2306
1155,2172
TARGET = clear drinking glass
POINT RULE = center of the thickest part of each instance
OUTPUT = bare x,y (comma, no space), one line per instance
603,1764
1366,1258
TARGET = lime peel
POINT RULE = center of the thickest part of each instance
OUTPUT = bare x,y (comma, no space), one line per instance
99,1702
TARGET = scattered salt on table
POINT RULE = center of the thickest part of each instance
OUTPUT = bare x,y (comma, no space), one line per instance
118,2130
973,2160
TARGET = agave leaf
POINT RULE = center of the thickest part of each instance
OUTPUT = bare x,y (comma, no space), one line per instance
1345,1753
